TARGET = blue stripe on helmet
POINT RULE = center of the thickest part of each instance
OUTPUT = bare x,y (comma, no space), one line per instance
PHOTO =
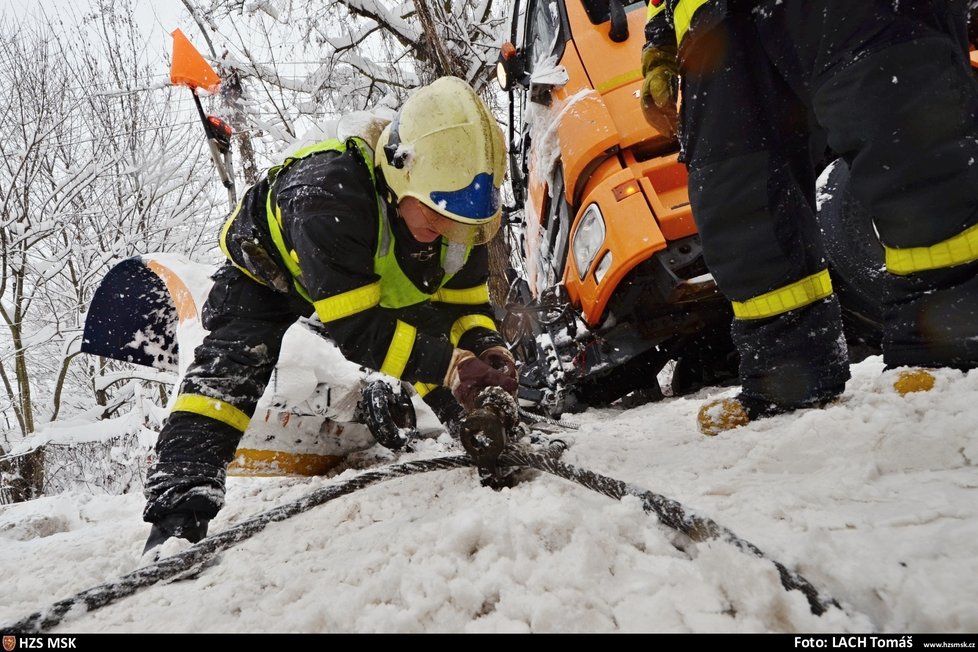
477,201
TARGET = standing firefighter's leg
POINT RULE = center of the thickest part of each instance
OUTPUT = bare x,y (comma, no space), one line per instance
901,104
185,488
752,185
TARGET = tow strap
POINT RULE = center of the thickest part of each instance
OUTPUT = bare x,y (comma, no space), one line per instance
670,512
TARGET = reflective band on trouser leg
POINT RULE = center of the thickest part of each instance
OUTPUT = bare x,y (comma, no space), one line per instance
212,408
402,343
467,296
682,16
423,389
468,322
957,250
800,293
348,303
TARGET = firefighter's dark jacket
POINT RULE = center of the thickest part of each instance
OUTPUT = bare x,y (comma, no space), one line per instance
399,312
670,20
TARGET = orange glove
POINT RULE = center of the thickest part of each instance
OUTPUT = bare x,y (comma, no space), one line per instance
468,375
660,90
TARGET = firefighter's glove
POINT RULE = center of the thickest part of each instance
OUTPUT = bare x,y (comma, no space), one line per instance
468,375
660,90
500,359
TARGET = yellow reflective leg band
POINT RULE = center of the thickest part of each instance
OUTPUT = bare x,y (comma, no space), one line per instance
212,408
423,389
402,343
348,303
960,249
682,16
801,293
467,296
468,322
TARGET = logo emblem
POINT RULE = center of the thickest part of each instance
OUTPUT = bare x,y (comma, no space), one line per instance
9,643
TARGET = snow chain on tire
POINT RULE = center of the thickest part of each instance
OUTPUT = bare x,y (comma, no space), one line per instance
670,512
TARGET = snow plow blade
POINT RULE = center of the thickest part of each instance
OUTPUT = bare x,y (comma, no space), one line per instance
146,304
133,316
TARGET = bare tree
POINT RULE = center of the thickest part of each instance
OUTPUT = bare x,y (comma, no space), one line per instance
99,163
355,55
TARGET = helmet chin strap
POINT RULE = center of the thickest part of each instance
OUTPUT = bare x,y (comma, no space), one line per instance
454,257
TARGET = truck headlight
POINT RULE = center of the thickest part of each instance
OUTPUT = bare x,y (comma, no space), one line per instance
588,238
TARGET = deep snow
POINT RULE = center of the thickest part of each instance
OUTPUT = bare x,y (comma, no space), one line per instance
873,499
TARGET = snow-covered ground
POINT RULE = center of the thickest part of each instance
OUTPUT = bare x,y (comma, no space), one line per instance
874,500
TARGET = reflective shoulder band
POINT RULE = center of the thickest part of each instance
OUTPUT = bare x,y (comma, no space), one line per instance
682,16
212,408
402,343
800,293
467,323
223,240
223,244
468,296
348,303
960,249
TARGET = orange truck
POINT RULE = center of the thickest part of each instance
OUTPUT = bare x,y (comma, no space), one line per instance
609,285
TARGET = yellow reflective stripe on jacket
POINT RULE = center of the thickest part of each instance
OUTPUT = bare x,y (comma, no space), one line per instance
682,16
348,303
466,296
290,258
402,343
423,389
655,10
274,213
223,240
212,408
800,293
957,250
467,323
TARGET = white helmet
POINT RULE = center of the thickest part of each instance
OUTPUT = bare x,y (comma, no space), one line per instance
445,149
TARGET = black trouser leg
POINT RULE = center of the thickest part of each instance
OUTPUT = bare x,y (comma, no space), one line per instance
218,395
752,187
894,91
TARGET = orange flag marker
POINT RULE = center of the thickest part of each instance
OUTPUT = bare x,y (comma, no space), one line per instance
189,68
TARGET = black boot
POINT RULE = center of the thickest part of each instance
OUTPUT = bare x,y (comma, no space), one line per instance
932,319
183,525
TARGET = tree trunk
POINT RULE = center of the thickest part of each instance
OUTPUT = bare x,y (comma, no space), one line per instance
26,475
231,94
445,64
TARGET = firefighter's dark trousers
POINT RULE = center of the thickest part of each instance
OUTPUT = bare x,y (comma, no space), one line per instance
890,93
221,389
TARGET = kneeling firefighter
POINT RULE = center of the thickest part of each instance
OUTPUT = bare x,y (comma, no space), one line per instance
888,86
386,245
